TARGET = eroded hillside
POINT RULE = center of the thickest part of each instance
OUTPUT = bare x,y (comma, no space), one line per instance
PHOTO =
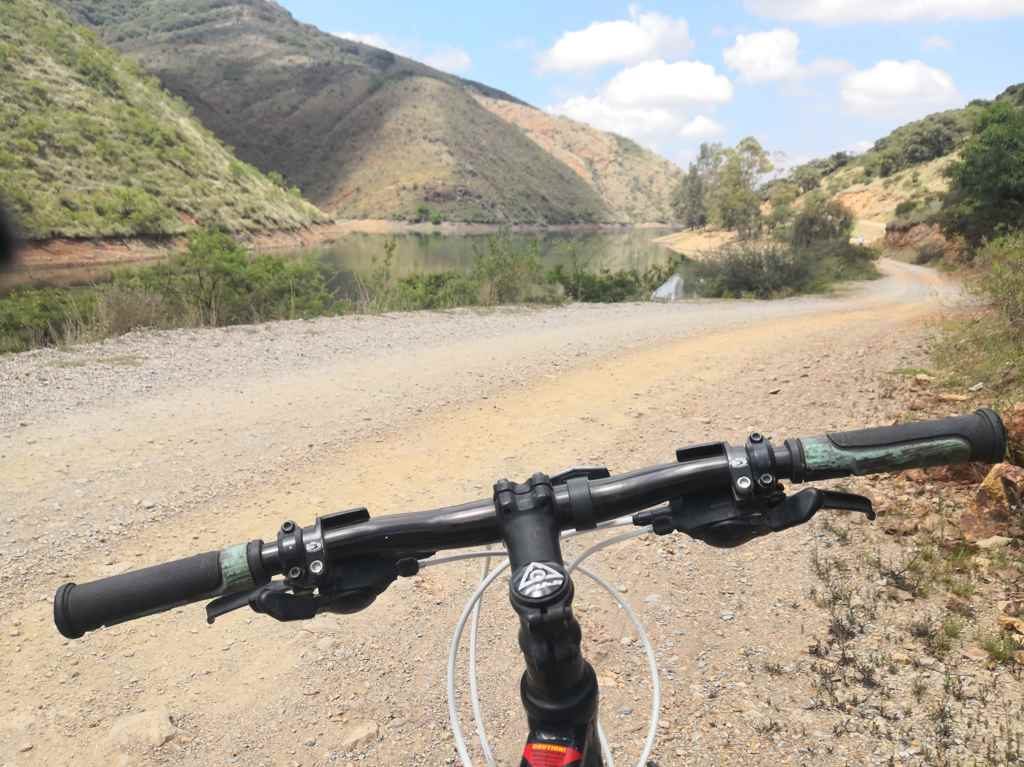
634,183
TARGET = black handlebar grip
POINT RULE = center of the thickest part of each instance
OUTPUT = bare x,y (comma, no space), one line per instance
980,436
81,608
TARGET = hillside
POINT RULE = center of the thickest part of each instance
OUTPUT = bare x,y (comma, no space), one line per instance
362,131
904,168
90,147
634,183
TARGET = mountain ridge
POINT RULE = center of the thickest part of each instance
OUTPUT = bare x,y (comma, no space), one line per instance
353,125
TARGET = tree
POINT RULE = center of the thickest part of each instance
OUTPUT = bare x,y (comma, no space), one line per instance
733,202
986,195
688,199
783,195
821,221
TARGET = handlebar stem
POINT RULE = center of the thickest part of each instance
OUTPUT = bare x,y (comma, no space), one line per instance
559,688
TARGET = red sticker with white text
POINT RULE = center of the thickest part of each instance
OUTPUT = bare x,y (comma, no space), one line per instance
551,755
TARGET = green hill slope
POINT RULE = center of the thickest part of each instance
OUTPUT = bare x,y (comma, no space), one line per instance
90,147
363,132
905,166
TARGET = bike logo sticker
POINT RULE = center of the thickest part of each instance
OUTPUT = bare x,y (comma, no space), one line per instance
539,580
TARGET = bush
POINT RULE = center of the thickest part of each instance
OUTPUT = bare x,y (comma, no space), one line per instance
754,271
772,271
506,271
905,208
580,282
30,318
986,197
929,252
820,220
216,282
443,290
1002,280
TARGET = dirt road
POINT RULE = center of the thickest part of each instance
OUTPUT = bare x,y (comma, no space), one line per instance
158,445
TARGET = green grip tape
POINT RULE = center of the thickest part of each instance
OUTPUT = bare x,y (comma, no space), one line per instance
825,460
234,569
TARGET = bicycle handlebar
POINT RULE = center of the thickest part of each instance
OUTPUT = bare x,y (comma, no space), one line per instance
81,608
979,436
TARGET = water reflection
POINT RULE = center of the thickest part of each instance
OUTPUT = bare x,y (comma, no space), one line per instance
418,252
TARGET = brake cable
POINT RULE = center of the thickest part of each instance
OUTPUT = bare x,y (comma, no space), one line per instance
471,610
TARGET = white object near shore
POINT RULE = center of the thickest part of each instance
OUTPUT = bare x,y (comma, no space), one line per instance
671,290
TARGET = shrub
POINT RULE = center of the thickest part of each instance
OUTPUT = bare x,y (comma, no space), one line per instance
929,252
821,220
506,271
758,271
986,197
1003,277
580,282
771,271
905,208
442,290
30,318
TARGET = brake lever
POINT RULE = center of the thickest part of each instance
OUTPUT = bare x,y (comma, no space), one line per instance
274,599
345,588
800,507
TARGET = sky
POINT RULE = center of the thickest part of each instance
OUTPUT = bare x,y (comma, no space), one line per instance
805,77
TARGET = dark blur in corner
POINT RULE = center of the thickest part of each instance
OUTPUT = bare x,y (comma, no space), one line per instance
8,239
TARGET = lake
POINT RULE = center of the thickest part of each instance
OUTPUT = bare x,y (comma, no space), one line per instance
357,253
430,252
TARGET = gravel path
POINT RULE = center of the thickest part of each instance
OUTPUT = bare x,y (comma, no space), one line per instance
156,445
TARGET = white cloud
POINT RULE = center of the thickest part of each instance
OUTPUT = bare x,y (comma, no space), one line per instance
454,60
701,127
850,11
642,36
765,56
653,100
370,38
936,41
898,88
775,55
636,122
657,83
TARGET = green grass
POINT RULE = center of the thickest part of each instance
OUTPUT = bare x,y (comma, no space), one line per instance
1001,648
92,147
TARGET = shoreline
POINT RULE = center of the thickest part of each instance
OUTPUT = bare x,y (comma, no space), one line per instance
63,261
